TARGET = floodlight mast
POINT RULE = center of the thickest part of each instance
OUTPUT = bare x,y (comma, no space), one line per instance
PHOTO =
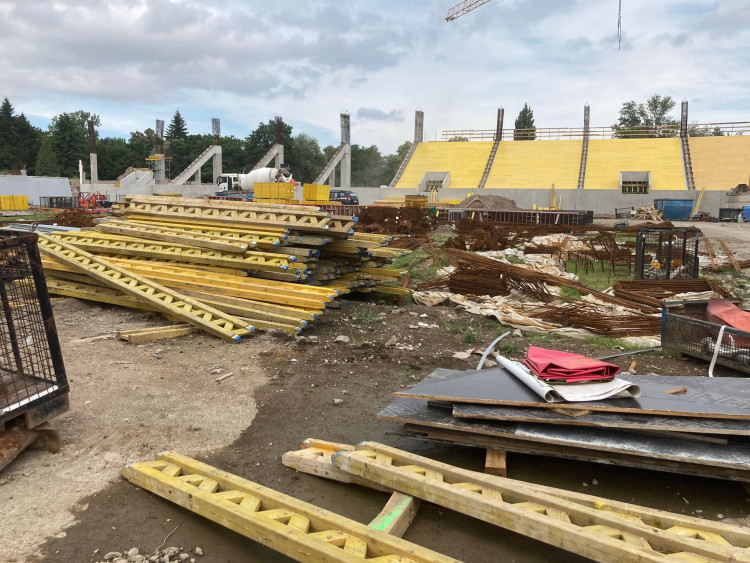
463,8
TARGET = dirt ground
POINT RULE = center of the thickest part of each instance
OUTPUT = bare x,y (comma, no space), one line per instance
130,402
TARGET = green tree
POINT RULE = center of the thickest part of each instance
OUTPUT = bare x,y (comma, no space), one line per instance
141,145
69,137
525,130
458,139
392,162
717,132
649,119
233,155
19,140
366,166
177,128
114,156
263,138
307,160
46,161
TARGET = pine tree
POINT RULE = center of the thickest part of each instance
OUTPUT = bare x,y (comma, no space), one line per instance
525,130
177,127
46,161
6,110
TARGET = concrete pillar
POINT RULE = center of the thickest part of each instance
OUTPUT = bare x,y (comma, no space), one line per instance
332,178
499,127
94,169
217,166
197,177
346,168
586,120
160,173
346,133
684,119
418,126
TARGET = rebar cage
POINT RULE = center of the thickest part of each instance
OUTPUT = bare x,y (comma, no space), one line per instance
666,253
31,364
685,330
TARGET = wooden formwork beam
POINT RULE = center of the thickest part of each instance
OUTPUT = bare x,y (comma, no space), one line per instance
172,235
163,299
295,528
599,531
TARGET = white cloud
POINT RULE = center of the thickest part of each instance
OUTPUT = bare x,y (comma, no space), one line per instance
132,61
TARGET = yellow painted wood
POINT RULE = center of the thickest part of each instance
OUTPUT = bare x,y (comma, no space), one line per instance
172,235
165,300
151,334
96,244
292,527
411,474
295,218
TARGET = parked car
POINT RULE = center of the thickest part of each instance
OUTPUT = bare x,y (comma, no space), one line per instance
346,197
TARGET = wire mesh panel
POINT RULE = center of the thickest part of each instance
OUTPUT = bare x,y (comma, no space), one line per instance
31,365
685,330
666,253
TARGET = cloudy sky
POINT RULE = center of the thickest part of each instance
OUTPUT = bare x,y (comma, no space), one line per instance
133,61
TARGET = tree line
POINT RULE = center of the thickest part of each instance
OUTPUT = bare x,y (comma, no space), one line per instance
56,152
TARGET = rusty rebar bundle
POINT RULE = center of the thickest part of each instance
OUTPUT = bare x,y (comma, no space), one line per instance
590,317
529,282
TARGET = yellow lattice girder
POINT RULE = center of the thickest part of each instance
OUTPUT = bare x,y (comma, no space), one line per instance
163,299
515,505
295,528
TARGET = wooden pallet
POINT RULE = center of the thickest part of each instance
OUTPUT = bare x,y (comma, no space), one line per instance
295,528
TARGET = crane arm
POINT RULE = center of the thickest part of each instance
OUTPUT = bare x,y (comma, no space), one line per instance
463,8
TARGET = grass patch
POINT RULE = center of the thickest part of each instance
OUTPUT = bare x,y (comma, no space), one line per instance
595,278
514,259
470,337
538,338
366,316
39,216
423,271
610,343
569,293
460,326
508,347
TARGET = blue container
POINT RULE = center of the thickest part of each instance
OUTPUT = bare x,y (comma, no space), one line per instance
746,214
674,209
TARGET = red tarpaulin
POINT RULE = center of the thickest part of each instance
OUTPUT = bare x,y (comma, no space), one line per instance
552,365
723,312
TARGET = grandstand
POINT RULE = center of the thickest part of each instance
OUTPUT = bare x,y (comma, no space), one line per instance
529,165
608,157
465,162
590,168
720,163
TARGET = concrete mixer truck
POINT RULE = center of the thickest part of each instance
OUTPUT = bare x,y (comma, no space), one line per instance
244,183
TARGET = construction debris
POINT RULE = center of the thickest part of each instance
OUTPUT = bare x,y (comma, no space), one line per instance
492,408
224,267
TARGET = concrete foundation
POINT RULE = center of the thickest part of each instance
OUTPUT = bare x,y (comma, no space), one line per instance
599,201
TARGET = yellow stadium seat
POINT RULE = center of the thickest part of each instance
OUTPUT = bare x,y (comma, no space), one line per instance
464,160
536,164
608,157
720,163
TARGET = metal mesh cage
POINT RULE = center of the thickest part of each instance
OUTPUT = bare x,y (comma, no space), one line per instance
666,253
31,364
685,330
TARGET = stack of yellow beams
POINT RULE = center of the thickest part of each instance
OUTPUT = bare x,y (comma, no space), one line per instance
251,265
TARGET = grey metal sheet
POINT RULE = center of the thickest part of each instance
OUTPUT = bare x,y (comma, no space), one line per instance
604,419
717,397
730,456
